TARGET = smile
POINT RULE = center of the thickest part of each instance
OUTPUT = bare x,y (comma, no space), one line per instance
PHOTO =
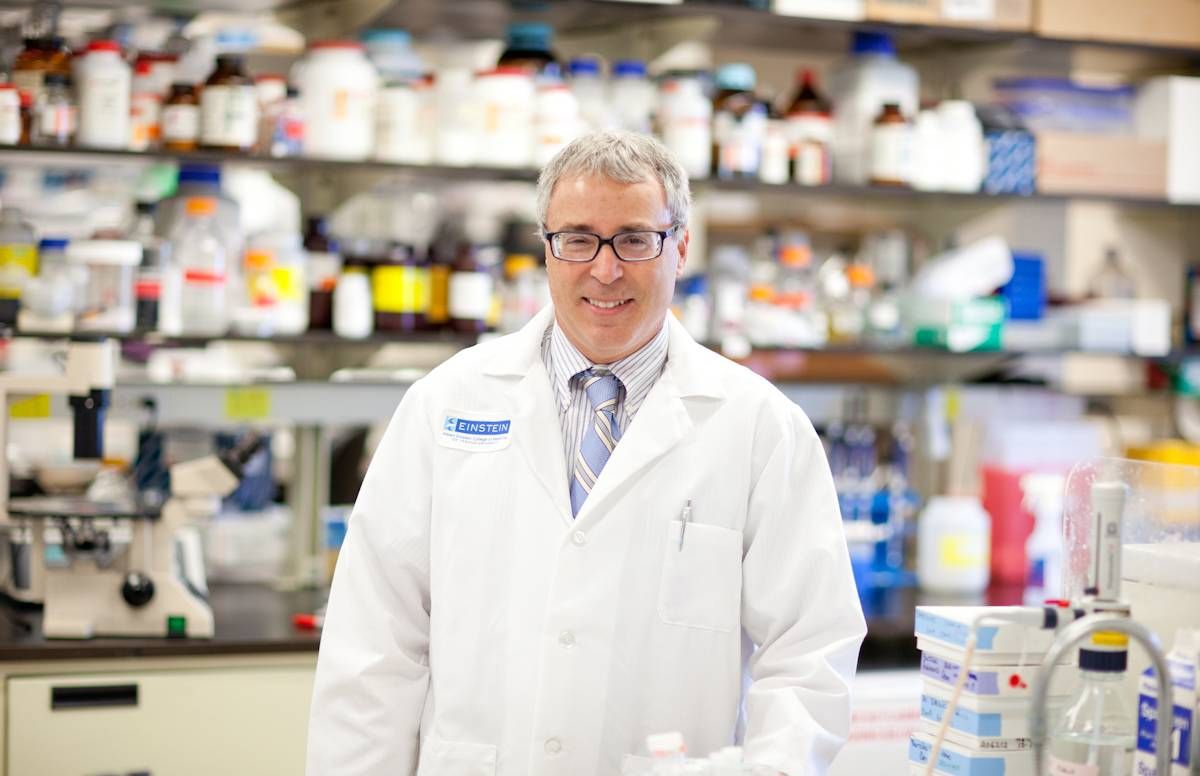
605,305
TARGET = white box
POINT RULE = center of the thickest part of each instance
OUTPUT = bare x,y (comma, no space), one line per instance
987,681
847,10
963,761
1184,661
945,629
1168,108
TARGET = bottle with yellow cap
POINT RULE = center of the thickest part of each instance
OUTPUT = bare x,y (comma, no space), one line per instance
1096,733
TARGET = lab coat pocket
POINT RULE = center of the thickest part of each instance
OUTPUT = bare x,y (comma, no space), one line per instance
456,758
701,585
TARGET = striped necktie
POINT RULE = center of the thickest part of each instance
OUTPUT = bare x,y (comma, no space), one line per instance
600,436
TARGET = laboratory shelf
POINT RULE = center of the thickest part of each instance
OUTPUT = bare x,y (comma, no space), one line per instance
311,338
879,194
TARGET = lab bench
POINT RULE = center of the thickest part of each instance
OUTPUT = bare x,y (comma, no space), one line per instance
234,704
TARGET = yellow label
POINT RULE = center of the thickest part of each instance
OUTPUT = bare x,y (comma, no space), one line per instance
439,294
401,289
1110,639
287,283
248,404
18,263
962,552
30,407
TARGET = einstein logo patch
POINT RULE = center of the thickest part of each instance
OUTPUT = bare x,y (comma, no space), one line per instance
481,432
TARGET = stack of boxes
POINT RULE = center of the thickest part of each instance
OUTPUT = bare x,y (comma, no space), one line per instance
989,731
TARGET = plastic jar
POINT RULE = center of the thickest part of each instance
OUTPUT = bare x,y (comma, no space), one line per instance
106,302
229,108
181,119
964,149
505,97
39,58
10,115
338,87
557,120
685,114
404,123
103,81
352,316
633,96
454,116
275,298
953,546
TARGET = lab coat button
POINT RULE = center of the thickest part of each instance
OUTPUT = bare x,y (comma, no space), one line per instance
579,538
566,639
553,746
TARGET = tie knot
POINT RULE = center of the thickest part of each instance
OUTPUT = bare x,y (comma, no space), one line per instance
601,388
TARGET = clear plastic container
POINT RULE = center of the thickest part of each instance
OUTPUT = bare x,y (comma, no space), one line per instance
589,88
859,88
105,300
634,99
47,303
201,180
339,88
201,264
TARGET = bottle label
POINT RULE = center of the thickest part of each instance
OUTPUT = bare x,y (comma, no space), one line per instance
740,140
180,123
400,289
203,277
403,130
31,81
813,167
690,138
470,296
56,120
145,116
228,116
1063,768
10,120
891,153
18,263
810,126
104,111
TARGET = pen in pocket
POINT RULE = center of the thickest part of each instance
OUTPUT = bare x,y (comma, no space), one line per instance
684,519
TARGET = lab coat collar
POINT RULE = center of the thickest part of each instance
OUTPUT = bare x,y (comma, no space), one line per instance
519,353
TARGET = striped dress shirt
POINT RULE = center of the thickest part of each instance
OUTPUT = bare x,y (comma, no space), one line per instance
638,372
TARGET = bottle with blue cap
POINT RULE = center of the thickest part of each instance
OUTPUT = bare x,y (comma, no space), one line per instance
633,97
739,123
1097,729
587,84
859,87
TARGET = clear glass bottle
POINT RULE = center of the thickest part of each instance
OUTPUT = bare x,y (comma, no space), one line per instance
201,260
56,117
1096,732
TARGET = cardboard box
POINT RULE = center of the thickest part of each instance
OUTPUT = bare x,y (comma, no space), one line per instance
905,11
1117,165
1152,22
1168,109
1015,15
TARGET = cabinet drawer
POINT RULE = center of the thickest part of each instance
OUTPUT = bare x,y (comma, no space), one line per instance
179,722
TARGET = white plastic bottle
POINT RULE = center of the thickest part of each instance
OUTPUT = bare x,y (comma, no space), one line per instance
202,264
338,88
455,125
104,84
633,97
505,98
556,119
404,123
859,88
929,158
964,149
587,83
685,118
954,546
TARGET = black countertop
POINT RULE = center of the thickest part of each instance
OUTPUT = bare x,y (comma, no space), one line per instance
254,619
249,620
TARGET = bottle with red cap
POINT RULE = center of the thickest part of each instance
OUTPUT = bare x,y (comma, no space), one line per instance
103,81
146,107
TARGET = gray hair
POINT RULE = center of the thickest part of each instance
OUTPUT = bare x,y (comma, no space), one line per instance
623,157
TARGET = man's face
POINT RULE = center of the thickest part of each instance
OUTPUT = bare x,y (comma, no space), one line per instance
644,289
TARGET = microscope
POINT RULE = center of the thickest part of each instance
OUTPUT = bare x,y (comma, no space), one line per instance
125,570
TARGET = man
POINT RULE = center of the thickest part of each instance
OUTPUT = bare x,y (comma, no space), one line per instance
590,531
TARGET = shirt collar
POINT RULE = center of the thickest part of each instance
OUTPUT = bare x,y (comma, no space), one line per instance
566,361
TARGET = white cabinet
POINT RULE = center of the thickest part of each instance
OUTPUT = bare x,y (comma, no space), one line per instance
181,721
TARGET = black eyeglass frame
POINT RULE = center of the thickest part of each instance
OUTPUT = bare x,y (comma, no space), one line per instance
663,234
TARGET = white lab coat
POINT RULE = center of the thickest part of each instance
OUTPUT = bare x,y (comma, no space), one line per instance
475,629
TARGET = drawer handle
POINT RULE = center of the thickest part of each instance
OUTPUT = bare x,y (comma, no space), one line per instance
93,696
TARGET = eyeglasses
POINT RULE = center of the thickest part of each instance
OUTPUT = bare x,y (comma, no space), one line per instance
629,246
